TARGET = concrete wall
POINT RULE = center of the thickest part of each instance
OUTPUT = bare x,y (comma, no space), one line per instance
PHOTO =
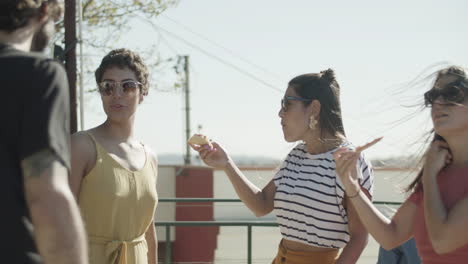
223,189
231,241
166,189
388,186
232,248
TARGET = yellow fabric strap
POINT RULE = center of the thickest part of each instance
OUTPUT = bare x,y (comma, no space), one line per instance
116,250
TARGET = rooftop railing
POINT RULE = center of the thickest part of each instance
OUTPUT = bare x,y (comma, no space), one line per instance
248,224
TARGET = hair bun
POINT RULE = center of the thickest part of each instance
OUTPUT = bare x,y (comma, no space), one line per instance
328,75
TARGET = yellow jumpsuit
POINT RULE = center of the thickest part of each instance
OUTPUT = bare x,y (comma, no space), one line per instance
117,206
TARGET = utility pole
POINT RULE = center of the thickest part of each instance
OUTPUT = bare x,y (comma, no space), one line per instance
70,58
187,159
80,34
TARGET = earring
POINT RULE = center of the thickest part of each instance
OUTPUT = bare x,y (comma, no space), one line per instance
312,123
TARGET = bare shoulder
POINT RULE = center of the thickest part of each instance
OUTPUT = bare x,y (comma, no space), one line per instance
83,151
82,143
81,137
152,154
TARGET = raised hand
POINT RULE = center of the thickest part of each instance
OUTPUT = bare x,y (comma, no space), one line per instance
214,156
437,157
346,161
346,165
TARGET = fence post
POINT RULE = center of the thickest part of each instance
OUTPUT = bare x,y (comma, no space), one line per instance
249,244
168,255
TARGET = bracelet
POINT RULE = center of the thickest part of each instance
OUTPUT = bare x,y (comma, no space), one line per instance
356,194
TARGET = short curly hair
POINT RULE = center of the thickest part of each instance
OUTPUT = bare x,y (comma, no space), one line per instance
124,58
15,14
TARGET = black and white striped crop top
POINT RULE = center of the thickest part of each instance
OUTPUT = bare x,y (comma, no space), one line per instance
309,198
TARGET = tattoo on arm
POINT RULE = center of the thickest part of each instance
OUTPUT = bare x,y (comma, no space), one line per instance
35,165
58,228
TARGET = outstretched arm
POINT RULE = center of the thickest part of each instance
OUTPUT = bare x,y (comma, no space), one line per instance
259,201
389,233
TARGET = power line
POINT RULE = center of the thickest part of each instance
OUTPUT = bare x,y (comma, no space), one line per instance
164,40
223,48
159,29
169,46
238,69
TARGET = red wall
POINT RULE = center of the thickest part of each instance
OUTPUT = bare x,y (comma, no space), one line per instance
194,244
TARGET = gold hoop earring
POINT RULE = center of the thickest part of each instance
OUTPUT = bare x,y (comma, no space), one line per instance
312,123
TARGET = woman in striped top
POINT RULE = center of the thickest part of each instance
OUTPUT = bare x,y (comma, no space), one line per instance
315,218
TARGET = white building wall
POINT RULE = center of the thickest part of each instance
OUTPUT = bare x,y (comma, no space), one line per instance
388,186
165,186
232,241
223,189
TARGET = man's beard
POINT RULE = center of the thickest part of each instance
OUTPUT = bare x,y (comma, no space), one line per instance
42,37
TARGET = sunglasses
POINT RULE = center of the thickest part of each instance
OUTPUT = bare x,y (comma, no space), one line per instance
286,99
127,88
451,95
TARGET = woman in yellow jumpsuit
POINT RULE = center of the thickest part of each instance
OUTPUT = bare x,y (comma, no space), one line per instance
113,174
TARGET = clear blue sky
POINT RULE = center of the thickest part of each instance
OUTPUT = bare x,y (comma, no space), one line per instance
375,47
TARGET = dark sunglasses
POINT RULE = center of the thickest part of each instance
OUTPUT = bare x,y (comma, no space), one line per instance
127,88
286,99
451,95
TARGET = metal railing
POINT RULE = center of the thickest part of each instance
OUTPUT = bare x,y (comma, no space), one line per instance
248,224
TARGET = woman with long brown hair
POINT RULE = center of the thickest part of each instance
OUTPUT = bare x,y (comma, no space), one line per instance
436,213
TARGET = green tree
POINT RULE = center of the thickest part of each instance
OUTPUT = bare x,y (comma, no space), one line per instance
111,16
105,21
